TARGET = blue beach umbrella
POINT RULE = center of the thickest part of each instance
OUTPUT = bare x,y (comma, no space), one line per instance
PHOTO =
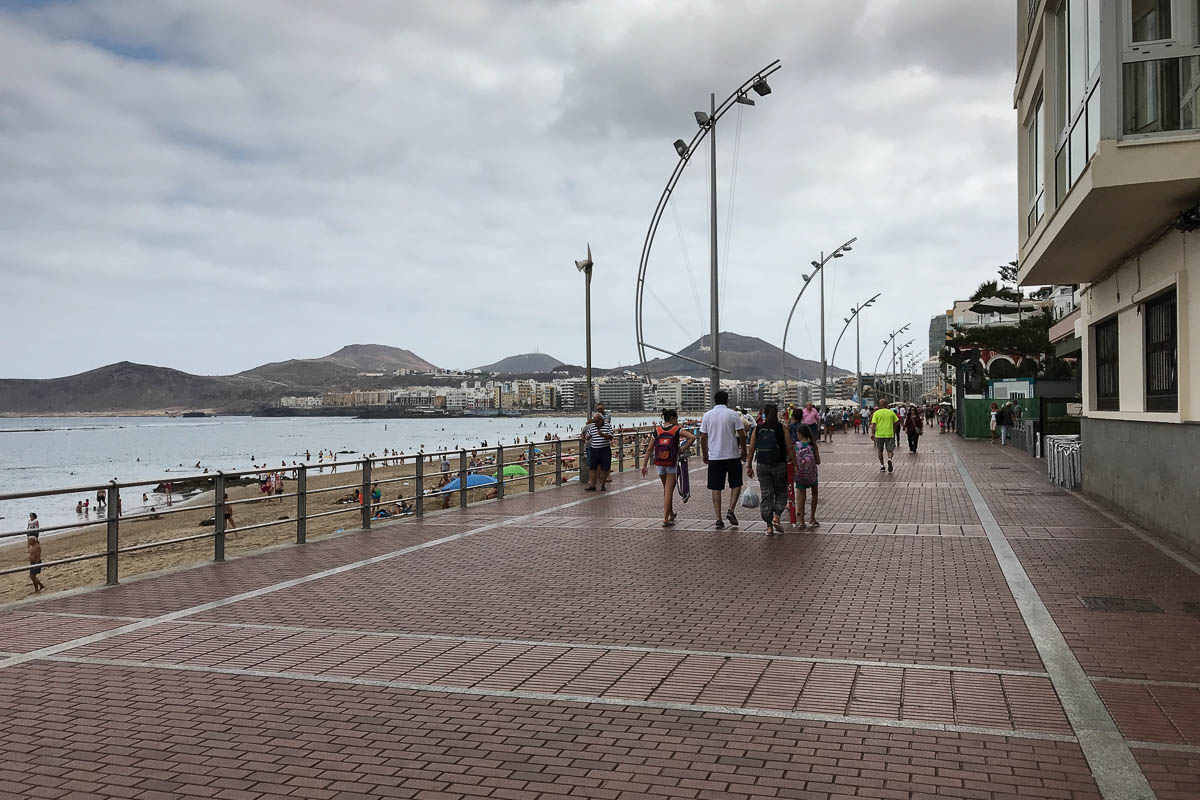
474,481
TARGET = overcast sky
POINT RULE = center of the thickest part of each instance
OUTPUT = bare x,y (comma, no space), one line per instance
213,185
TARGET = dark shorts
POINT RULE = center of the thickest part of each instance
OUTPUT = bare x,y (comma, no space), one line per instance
812,485
36,570
600,458
719,471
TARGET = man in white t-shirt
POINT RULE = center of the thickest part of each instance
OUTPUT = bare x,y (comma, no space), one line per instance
723,447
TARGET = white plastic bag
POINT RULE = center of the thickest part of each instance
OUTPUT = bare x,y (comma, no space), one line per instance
750,498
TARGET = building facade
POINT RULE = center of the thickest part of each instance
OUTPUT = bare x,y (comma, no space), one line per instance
1107,97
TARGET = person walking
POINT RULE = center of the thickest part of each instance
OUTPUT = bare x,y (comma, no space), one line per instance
805,475
34,546
914,427
811,417
884,424
771,450
829,420
598,436
723,448
1004,420
670,438
993,421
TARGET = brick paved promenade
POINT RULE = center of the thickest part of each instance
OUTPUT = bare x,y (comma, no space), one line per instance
931,640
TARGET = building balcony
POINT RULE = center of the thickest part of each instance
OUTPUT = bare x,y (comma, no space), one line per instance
1131,191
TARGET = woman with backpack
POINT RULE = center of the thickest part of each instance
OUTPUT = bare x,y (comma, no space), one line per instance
664,449
771,450
804,472
914,427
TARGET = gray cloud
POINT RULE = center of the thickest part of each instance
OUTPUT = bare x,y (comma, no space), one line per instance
215,185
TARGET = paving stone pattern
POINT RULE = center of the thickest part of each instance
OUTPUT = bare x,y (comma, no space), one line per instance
587,652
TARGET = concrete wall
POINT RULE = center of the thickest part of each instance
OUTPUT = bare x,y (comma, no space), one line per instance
1150,471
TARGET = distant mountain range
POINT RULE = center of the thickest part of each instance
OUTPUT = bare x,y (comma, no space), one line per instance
747,358
528,363
127,387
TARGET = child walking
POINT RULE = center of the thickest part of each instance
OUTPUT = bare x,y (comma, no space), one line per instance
808,456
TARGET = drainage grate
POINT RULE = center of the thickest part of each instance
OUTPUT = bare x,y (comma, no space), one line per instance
1135,604
1191,607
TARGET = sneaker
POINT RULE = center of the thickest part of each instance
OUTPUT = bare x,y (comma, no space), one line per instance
719,525
882,468
889,465
729,515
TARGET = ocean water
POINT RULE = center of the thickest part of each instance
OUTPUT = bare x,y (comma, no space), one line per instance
58,452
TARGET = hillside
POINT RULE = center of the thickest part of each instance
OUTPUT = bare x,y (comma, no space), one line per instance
132,387
525,364
125,386
747,358
376,357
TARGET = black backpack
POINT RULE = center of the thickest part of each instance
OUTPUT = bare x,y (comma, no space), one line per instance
769,445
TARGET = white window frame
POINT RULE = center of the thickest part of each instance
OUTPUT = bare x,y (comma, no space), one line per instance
1076,114
1184,41
1035,141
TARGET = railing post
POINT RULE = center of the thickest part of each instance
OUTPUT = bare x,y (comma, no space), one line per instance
219,517
462,478
366,493
301,504
500,472
581,450
420,503
532,469
558,462
114,538
621,452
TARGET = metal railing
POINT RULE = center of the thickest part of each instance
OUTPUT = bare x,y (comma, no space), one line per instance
433,476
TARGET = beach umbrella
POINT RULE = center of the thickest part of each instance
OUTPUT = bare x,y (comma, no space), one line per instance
511,470
474,481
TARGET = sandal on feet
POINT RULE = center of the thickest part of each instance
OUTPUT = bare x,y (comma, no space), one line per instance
670,523
812,523
770,530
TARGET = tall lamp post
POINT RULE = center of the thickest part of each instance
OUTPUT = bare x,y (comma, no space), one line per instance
897,354
707,122
818,267
854,313
585,267
890,340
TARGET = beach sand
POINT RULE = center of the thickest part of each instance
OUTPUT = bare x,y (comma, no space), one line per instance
133,532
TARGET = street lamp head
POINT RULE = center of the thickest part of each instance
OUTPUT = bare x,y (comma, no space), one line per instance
586,264
681,148
847,249
807,278
744,100
761,87
701,119
838,255
816,265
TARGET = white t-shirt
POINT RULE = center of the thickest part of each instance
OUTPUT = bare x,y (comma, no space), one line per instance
721,425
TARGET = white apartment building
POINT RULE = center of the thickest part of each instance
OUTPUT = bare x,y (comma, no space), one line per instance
1107,97
299,402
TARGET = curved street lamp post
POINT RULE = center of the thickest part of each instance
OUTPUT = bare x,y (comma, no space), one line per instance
818,269
890,340
707,123
854,314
